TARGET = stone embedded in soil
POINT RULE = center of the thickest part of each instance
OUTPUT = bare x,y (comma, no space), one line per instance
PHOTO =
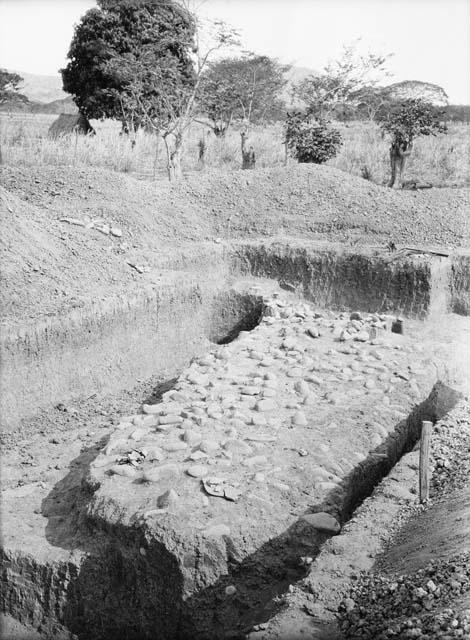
302,387
124,470
155,453
299,419
323,522
269,393
265,405
251,391
192,437
209,446
260,437
138,434
177,445
170,419
167,499
197,471
151,408
254,461
238,447
295,372
163,472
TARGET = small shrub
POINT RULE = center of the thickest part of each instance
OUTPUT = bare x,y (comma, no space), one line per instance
311,140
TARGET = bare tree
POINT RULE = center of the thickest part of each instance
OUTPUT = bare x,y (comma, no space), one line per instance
341,82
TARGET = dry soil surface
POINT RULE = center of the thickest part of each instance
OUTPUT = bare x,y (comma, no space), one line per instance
57,251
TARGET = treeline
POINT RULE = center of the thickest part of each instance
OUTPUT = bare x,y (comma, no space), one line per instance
456,113
152,64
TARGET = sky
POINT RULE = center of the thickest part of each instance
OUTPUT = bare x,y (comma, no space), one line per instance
430,39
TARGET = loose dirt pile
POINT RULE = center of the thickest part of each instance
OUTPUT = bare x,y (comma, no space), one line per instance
58,251
420,587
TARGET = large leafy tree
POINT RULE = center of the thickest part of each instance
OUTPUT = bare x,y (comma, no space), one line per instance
141,61
247,88
405,122
418,90
119,35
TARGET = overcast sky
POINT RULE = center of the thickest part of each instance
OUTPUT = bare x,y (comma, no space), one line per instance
430,38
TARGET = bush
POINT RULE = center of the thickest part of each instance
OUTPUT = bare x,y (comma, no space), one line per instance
311,140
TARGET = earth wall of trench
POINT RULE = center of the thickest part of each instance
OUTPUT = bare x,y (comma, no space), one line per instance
344,279
460,284
106,346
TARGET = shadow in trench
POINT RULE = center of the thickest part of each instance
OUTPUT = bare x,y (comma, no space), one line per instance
233,312
156,396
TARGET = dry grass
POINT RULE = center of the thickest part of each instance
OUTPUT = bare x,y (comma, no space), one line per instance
441,160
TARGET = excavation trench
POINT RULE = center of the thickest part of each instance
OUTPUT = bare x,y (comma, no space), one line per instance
118,564
128,584
106,345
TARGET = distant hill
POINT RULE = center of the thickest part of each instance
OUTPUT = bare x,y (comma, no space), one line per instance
45,93
40,94
67,105
40,88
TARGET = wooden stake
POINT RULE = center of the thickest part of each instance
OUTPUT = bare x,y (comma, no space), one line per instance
424,449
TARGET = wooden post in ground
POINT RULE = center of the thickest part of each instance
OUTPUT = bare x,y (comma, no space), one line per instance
424,450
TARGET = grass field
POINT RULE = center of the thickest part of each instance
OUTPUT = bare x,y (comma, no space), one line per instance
441,160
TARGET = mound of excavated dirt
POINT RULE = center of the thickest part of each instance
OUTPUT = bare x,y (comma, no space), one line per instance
48,264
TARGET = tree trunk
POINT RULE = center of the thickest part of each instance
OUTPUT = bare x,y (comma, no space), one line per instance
174,147
248,157
219,131
202,149
399,152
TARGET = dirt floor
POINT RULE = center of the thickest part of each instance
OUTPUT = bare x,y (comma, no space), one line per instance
59,251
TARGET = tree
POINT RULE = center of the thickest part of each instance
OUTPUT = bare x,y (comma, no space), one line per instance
9,85
168,113
151,32
370,101
310,139
405,122
141,61
341,82
417,90
246,88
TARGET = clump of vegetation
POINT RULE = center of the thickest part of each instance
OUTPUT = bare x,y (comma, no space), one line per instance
9,85
405,122
311,140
